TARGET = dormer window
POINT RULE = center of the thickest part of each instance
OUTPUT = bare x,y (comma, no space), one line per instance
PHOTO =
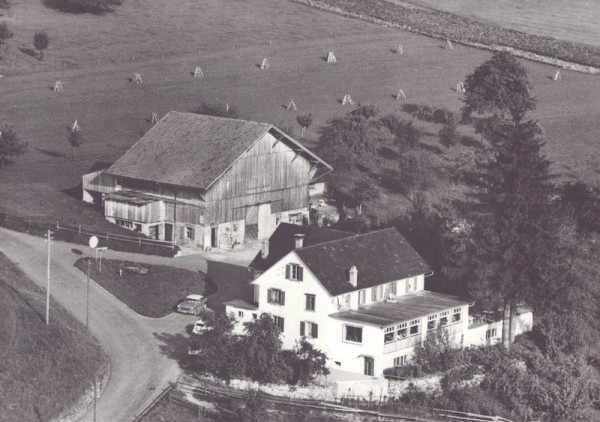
294,272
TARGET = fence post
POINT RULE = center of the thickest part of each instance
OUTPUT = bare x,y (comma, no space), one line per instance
79,230
140,242
57,226
107,237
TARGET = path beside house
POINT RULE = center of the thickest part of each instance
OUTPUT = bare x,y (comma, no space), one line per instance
143,351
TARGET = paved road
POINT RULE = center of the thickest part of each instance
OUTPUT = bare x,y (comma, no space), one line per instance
143,351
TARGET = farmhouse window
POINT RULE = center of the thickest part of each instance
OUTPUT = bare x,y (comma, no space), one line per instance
362,297
388,335
443,321
353,334
400,360
310,302
456,315
402,331
241,314
414,327
309,329
294,272
279,322
276,296
490,333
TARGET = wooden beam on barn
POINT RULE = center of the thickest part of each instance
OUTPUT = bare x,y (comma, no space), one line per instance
277,139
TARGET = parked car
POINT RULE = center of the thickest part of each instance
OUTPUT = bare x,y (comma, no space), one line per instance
192,304
200,327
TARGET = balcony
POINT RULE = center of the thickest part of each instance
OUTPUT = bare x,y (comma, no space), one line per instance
402,344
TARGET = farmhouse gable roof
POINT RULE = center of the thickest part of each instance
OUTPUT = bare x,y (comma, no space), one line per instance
193,150
380,257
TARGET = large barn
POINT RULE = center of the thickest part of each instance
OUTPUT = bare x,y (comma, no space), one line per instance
208,181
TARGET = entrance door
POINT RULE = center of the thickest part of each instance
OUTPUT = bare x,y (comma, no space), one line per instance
264,221
369,366
214,237
168,232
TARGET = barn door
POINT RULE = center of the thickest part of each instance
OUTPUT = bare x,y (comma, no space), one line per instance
264,221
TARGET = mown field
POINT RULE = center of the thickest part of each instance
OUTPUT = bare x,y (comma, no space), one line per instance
114,113
570,20
34,358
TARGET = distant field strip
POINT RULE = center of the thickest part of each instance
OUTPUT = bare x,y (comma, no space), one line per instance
569,20
459,28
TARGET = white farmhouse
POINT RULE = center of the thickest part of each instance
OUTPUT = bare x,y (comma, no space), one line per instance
359,298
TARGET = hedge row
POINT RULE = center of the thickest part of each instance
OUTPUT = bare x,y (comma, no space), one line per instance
460,29
141,245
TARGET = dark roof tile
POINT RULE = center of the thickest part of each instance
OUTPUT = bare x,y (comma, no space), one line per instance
380,257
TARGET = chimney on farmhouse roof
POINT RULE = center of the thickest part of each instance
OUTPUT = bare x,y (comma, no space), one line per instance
264,249
299,238
353,276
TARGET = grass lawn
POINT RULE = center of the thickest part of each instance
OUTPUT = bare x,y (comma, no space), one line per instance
154,294
34,357
113,114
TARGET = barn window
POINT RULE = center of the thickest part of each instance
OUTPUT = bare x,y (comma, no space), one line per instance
189,232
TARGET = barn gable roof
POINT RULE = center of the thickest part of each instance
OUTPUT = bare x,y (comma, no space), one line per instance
380,257
194,150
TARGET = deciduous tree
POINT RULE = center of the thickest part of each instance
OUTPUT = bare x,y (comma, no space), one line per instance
499,86
10,144
305,121
41,40
75,139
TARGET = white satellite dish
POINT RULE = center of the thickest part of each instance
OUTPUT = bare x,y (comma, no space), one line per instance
93,242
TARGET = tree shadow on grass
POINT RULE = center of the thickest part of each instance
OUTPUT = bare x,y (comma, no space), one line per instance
74,192
25,300
66,7
174,347
50,153
387,153
28,51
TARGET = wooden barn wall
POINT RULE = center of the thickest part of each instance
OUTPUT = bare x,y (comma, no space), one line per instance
184,194
185,213
148,213
269,172
98,182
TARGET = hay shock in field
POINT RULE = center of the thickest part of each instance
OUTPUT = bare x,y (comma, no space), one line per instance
331,58
75,126
198,72
400,95
291,106
137,79
154,118
557,76
400,50
449,45
58,87
347,101
460,88
264,65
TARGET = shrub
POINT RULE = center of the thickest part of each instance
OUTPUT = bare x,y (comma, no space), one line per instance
5,32
5,4
448,135
445,116
41,40
405,134
424,112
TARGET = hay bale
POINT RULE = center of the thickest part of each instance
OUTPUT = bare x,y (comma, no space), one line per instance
137,79
347,100
291,106
401,95
331,58
58,87
265,64
198,72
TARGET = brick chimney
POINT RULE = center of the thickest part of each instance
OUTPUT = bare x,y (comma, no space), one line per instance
353,276
264,249
299,238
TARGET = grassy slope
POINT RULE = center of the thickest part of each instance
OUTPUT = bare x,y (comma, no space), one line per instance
154,294
34,358
572,20
113,114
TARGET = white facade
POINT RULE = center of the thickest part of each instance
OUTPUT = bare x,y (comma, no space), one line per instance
350,344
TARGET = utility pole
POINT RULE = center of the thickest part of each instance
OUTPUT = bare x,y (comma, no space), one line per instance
87,298
49,240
